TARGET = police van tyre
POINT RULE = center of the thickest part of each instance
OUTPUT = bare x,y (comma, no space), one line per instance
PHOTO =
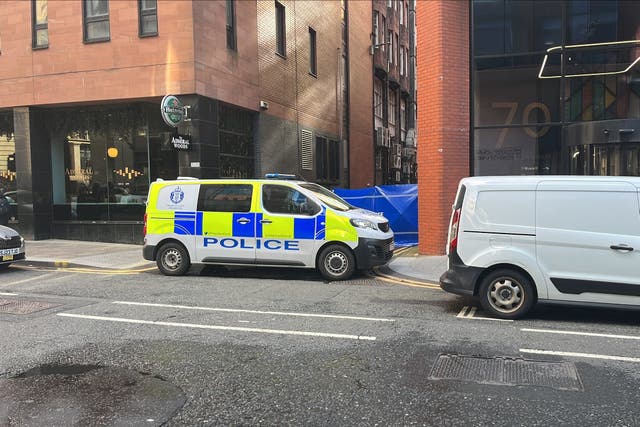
336,263
506,294
4,266
173,259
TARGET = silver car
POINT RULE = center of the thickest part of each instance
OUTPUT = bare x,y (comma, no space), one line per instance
11,247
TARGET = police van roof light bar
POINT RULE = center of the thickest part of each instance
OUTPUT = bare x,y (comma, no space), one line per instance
280,176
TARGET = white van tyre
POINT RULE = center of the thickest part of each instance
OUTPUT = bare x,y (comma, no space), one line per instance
173,259
336,262
506,294
4,266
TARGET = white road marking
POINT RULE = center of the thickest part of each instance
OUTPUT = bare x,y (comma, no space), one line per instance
587,334
472,315
463,312
8,293
584,355
221,328
30,279
234,310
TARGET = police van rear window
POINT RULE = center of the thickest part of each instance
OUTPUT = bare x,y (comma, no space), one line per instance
225,197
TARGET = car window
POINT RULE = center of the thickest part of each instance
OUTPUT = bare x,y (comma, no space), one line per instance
286,200
225,197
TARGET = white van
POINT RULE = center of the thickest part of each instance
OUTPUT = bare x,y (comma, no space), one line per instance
518,240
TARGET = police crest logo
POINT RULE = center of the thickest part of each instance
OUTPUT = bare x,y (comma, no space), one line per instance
176,196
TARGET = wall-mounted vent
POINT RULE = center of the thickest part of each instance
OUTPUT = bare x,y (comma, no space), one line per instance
307,149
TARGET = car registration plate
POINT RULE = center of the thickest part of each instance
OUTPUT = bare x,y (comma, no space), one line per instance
9,252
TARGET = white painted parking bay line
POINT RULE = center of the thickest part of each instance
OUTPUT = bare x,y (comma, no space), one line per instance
584,355
234,310
221,328
8,293
472,315
586,334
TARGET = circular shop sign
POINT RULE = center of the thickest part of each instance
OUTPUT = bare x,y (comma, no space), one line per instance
171,110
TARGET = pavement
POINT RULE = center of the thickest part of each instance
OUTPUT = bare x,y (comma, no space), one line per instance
406,265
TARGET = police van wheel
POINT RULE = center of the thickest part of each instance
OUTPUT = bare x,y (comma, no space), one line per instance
4,266
173,260
336,263
506,294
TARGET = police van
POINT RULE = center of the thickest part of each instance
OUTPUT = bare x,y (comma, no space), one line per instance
266,222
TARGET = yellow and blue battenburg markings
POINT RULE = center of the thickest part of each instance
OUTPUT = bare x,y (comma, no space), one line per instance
192,223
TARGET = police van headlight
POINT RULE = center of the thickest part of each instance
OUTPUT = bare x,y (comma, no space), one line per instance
363,223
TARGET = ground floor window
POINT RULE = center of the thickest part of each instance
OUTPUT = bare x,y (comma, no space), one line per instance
103,160
8,180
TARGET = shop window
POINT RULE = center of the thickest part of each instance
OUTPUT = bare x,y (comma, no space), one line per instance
148,18
8,185
231,24
236,142
40,34
281,30
102,170
225,198
96,21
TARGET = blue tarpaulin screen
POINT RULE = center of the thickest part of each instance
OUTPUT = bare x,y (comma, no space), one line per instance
399,203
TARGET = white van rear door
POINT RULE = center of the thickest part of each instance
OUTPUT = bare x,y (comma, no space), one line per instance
588,241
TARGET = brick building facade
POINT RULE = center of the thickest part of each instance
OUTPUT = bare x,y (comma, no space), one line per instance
269,86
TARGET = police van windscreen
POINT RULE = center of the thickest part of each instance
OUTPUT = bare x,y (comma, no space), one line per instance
327,197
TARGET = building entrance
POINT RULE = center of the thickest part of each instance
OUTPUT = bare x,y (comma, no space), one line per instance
606,159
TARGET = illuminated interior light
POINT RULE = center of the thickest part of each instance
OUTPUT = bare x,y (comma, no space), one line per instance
582,46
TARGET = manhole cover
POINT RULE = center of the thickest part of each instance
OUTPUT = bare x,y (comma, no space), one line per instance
23,306
506,371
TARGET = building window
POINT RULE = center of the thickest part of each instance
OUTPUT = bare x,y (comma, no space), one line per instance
96,20
389,41
40,35
383,28
378,104
392,109
327,159
231,24
401,10
402,61
148,17
376,17
281,30
403,119
396,49
313,56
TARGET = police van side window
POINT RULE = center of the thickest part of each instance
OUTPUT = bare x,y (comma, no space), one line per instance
286,200
225,197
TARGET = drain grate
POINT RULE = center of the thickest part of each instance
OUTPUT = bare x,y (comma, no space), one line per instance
506,371
23,306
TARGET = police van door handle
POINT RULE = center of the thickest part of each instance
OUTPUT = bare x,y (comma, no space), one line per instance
621,247
265,221
243,220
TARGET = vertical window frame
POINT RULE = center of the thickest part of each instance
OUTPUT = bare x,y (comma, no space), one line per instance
232,36
281,29
35,27
313,52
88,20
142,13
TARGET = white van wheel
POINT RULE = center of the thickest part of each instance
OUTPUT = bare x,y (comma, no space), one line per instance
506,294
173,259
336,263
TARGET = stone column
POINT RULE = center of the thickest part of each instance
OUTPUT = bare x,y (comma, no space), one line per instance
33,174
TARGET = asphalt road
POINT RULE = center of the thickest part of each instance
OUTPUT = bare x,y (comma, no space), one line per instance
271,346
